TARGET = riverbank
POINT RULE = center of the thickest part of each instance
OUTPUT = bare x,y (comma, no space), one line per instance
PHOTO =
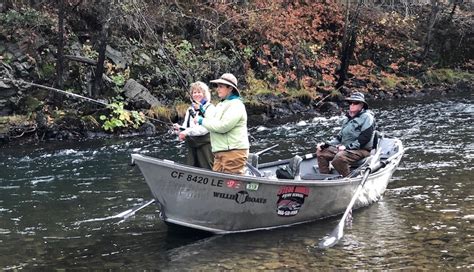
21,130
290,60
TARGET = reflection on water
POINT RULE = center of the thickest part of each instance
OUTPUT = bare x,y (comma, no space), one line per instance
423,222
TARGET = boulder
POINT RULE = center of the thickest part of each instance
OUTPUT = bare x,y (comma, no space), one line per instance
135,92
116,57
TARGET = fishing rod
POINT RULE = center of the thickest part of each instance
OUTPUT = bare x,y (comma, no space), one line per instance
22,82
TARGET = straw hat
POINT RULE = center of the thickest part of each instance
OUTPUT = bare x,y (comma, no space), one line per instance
227,79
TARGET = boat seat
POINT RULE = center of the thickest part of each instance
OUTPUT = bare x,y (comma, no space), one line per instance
318,176
290,171
253,160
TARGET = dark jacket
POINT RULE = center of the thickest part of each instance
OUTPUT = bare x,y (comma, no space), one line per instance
356,132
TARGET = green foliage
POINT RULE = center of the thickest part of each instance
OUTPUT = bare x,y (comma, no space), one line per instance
389,82
302,95
447,76
89,51
181,108
118,79
121,118
184,50
32,104
89,119
47,70
27,17
248,52
257,86
160,112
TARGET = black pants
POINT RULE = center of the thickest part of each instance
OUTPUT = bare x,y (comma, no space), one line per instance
200,153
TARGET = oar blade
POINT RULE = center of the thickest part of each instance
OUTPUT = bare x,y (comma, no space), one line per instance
332,239
328,242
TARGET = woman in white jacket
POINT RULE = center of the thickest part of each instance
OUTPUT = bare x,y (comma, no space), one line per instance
195,135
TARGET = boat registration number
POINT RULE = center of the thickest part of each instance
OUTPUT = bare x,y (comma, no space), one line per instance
197,179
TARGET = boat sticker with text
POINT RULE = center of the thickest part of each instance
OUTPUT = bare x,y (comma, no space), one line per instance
241,197
197,179
234,184
252,186
291,199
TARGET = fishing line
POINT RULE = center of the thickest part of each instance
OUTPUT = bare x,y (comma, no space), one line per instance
150,29
22,82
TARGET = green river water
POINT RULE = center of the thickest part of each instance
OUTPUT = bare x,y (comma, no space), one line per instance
423,222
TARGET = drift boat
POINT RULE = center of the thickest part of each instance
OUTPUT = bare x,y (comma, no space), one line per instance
226,203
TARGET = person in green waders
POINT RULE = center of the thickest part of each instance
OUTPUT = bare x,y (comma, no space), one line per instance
196,136
228,127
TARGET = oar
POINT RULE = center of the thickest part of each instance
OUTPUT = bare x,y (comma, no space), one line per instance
265,150
338,232
254,169
124,215
131,212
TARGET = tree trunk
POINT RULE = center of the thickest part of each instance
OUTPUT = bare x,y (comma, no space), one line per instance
348,44
97,84
60,56
432,23
455,4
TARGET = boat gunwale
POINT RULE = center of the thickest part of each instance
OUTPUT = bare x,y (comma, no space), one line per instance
337,182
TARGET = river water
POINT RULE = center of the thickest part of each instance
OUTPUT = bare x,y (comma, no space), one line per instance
55,199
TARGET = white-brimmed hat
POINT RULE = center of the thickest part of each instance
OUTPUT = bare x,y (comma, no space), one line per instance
358,97
227,79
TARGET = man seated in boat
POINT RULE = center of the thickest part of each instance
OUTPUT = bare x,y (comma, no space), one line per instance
228,127
353,142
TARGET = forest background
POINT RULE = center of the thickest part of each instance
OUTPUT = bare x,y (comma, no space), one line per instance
71,69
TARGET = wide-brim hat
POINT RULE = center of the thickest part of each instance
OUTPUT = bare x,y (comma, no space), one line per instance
358,97
227,79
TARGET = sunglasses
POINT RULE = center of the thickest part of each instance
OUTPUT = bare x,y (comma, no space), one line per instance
355,103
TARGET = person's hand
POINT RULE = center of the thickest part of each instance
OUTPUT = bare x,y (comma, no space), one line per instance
319,146
195,106
341,148
182,136
197,118
176,127
322,145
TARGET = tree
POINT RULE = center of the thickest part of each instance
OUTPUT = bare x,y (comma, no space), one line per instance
434,14
106,13
60,56
348,43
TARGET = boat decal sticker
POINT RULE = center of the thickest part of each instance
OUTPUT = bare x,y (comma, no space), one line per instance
234,184
252,186
197,179
240,197
291,199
